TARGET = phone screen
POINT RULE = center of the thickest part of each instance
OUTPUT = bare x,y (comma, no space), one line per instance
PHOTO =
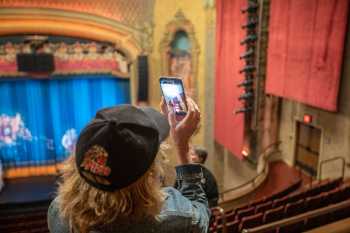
174,94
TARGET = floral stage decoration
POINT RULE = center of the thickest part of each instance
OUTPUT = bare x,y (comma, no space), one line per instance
11,129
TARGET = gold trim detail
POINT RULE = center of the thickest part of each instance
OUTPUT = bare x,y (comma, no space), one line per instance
79,25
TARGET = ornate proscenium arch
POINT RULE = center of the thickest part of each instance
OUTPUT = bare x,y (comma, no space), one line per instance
16,21
19,21
65,23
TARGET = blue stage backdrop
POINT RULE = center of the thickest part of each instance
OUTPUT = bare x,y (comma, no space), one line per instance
40,120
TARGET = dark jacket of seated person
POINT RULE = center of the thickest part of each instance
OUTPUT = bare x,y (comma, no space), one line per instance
112,182
199,155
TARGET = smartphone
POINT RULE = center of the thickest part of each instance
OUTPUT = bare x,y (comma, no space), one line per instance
174,95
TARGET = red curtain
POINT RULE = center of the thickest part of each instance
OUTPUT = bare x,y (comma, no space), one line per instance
229,127
305,50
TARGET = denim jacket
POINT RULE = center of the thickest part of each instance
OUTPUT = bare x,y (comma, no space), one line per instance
185,209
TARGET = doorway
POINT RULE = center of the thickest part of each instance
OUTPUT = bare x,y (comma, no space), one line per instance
308,148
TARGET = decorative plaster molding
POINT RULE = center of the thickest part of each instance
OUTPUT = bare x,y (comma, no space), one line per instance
80,25
127,12
146,38
209,4
180,23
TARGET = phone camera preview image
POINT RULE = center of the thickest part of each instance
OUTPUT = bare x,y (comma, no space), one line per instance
174,96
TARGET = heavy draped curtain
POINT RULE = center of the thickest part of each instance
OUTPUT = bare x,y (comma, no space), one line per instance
229,127
305,50
40,119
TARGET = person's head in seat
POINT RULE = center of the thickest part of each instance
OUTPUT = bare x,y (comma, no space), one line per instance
115,172
198,154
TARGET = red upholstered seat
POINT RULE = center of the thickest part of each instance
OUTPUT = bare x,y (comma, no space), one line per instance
242,207
231,227
263,207
345,192
314,202
280,202
251,221
333,196
246,212
297,196
273,214
294,208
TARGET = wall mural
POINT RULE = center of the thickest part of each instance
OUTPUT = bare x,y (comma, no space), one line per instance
180,60
69,58
179,50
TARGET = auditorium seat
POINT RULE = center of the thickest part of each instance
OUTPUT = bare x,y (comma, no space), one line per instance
294,208
231,227
332,184
290,189
230,217
314,202
297,196
263,207
244,207
345,192
226,218
273,214
221,220
333,196
265,211
280,202
24,226
24,217
296,227
246,212
251,221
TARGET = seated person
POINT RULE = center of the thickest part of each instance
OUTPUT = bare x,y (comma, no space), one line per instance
199,155
112,182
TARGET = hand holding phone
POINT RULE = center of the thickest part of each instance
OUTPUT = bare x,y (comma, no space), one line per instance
184,115
174,95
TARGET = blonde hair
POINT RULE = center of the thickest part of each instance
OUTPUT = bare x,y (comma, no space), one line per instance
86,207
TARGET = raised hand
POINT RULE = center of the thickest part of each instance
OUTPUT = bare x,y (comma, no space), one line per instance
182,131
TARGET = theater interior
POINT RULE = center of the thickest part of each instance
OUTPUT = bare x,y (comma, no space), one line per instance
271,78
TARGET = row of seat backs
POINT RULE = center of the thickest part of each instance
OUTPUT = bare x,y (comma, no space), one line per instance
254,215
24,217
290,189
300,226
293,197
312,222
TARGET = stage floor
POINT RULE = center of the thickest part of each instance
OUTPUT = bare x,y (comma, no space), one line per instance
29,189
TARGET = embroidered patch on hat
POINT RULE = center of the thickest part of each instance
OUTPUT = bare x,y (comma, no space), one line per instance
95,161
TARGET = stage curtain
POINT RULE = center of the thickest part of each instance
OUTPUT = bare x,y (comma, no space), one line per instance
41,119
305,50
229,127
